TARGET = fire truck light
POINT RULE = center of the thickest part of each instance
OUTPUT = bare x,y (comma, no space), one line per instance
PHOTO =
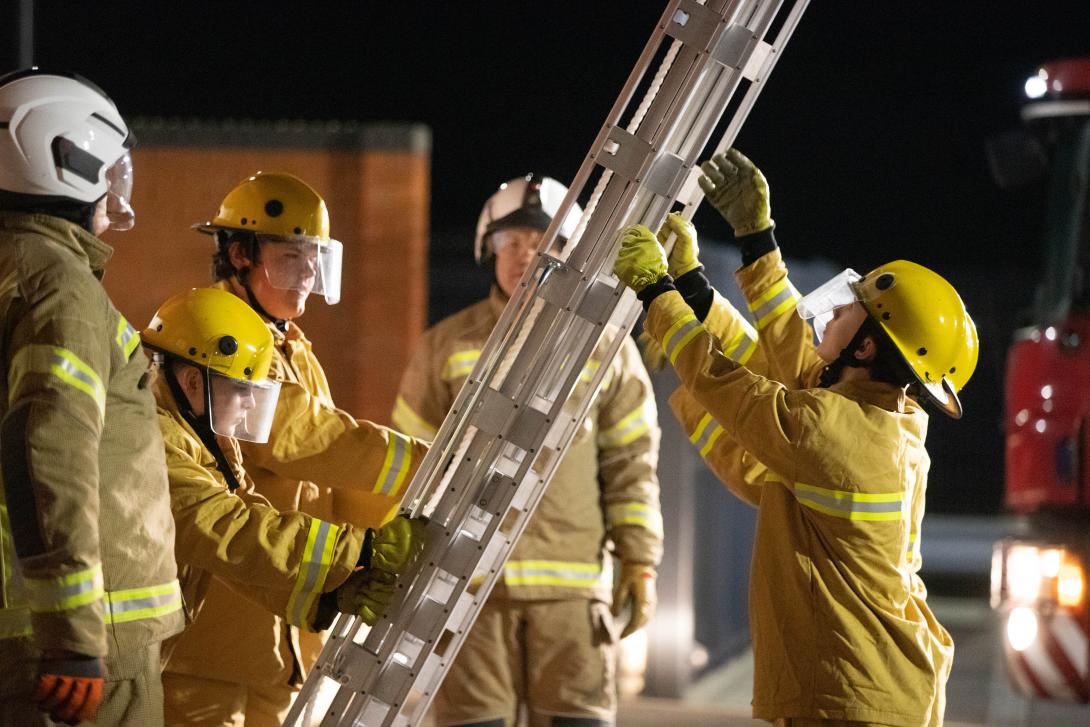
1036,87
1070,584
1021,628
1023,573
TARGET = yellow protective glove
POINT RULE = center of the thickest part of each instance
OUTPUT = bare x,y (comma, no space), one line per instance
396,544
738,190
684,255
367,594
641,260
635,587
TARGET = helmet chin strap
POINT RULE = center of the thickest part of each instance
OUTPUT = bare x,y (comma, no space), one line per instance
845,359
202,425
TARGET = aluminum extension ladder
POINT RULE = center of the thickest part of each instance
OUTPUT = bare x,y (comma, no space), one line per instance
517,412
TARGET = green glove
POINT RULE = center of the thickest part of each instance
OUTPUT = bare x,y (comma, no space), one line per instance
684,254
396,544
366,594
738,190
641,261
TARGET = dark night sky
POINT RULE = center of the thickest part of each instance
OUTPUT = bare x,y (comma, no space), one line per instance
870,131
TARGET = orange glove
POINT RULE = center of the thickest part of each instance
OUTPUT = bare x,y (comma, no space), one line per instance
69,687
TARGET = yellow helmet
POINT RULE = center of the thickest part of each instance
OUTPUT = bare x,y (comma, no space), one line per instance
214,329
272,203
926,320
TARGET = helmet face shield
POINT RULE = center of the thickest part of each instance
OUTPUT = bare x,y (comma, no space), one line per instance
305,264
242,409
119,194
820,305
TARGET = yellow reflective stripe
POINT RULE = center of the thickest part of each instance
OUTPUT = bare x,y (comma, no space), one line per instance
865,506
635,513
634,425
15,622
589,370
410,422
551,573
678,335
742,345
399,456
60,362
317,557
126,337
779,297
135,604
706,433
64,592
913,547
460,364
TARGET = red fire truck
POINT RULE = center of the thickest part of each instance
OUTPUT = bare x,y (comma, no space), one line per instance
1039,587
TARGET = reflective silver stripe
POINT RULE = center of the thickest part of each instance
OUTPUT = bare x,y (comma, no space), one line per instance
552,573
633,426
65,592
777,299
706,433
635,513
318,554
126,337
395,466
741,347
135,604
679,335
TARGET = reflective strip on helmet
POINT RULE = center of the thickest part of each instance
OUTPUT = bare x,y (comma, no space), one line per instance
706,433
127,338
15,622
460,364
411,423
634,425
317,557
399,457
552,573
742,345
678,336
60,363
779,297
135,604
865,506
635,513
79,588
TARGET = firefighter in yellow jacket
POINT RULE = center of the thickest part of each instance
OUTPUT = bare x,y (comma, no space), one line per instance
273,249
212,353
545,639
840,623
87,570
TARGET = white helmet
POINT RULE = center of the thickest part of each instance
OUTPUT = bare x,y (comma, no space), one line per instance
60,137
530,201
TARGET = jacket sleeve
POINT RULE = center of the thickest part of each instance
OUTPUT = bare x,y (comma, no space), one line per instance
786,339
315,442
763,416
628,453
58,350
288,558
424,398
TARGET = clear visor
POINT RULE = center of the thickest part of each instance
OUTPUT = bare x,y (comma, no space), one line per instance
305,264
242,409
821,304
119,194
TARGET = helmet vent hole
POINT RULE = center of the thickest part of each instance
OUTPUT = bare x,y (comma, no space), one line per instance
884,282
244,220
192,351
274,208
953,369
886,316
248,371
298,230
927,375
159,327
921,351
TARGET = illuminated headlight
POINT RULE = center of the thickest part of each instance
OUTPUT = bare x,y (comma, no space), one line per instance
1030,575
1037,86
1070,584
1021,628
1023,573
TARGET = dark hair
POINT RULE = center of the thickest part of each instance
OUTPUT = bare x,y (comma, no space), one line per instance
222,268
888,364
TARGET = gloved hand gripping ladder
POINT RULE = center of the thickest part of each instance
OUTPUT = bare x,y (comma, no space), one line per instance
521,406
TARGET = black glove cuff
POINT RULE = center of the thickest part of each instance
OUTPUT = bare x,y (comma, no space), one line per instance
364,561
756,245
655,289
697,291
74,666
327,611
